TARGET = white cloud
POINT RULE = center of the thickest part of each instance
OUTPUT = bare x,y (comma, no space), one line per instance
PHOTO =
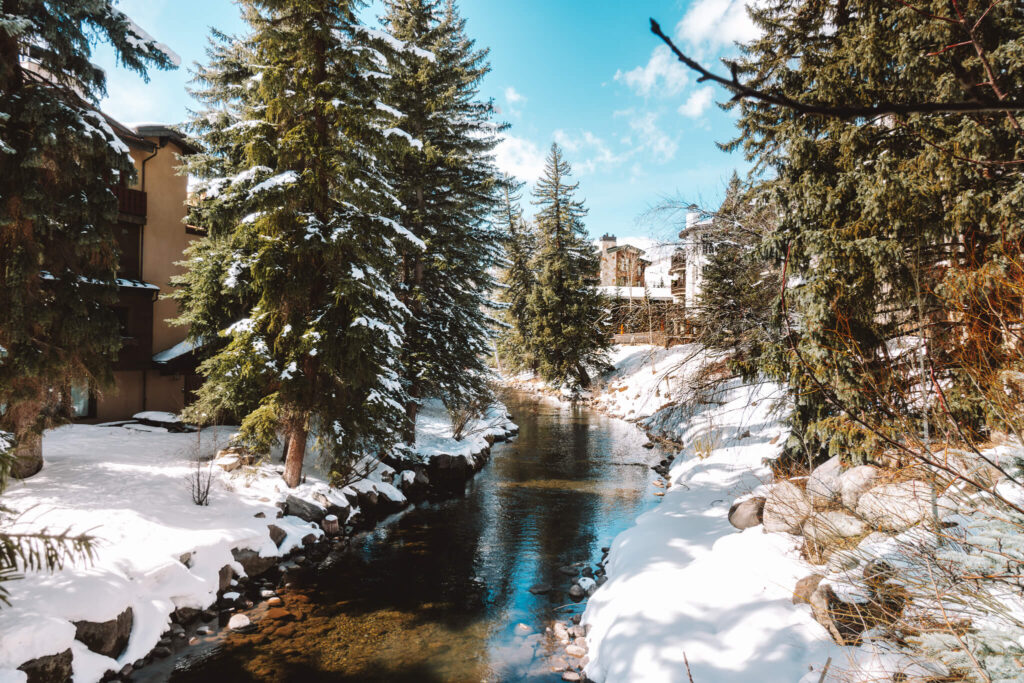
512,96
663,74
717,24
592,151
698,102
651,137
519,157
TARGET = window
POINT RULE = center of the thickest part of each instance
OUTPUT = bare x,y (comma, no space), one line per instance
80,403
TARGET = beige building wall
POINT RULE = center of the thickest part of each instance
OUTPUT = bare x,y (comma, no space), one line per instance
123,399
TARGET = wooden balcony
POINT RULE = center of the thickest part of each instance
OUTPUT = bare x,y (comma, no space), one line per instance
131,204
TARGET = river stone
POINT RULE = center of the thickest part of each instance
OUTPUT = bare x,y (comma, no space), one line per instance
540,589
575,650
49,669
558,664
747,513
108,638
896,507
829,526
786,508
224,577
577,592
239,622
277,534
823,484
251,562
854,482
571,676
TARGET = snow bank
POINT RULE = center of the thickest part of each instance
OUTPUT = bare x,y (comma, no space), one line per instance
434,431
646,378
684,585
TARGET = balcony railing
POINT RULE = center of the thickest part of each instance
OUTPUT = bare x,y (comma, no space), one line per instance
130,202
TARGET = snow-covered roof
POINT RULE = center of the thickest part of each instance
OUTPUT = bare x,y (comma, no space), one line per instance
652,293
180,349
136,284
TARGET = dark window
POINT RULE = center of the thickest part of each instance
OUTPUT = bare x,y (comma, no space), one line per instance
129,243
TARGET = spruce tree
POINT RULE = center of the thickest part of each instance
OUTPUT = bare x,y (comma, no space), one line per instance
517,281
445,181
292,284
58,254
569,329
888,222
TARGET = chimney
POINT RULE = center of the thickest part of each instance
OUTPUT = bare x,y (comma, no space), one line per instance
607,242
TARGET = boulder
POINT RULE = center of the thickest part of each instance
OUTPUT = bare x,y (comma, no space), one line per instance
304,509
824,528
847,620
251,562
805,587
896,507
239,622
224,577
341,512
277,534
823,484
747,513
786,508
185,615
49,669
577,592
108,638
854,482
575,651
540,589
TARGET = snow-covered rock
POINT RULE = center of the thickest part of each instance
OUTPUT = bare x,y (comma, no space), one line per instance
823,485
854,482
786,508
747,513
829,526
896,507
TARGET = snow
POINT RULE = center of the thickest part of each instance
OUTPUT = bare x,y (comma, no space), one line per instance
158,416
653,293
177,351
647,378
434,431
413,142
143,41
274,182
683,581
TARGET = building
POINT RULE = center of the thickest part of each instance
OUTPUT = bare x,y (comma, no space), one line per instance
639,312
155,369
621,265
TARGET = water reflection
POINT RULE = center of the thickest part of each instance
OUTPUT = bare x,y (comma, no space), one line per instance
436,595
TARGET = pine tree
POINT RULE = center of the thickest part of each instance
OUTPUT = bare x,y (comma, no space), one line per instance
569,330
517,280
293,278
887,222
58,253
445,181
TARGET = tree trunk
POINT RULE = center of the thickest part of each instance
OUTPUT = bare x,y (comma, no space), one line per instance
584,378
28,456
296,454
412,409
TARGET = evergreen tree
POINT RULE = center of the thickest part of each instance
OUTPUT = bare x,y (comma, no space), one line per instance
887,222
445,181
569,330
517,280
58,253
293,278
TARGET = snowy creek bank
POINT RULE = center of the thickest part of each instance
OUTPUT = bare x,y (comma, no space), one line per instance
168,572
466,588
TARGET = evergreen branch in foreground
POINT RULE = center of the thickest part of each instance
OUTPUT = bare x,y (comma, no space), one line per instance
40,550
742,91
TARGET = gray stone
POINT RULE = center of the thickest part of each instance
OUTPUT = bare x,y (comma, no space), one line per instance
571,676
224,576
239,622
540,589
277,534
786,508
108,638
854,482
49,669
575,650
748,513
569,571
304,509
842,560
823,485
161,651
558,664
805,587
827,527
577,593
896,507
251,562
185,615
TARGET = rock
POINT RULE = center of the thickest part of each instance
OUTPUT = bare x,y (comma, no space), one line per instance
577,592
304,509
251,562
558,664
571,676
204,631
275,602
208,615
260,515
569,571
842,560
523,630
161,651
186,559
823,484
49,669
748,513
829,526
277,534
575,651
239,622
280,614
649,445
309,539
854,482
228,463
896,507
224,576
341,512
804,588
185,615
126,671
786,508
878,571
108,638
540,589
580,642
846,621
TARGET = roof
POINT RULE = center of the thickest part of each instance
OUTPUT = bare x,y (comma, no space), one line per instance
136,284
164,132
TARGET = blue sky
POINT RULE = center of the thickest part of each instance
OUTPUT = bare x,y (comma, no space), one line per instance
586,73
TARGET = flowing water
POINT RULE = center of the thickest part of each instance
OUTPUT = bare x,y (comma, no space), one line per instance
436,594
